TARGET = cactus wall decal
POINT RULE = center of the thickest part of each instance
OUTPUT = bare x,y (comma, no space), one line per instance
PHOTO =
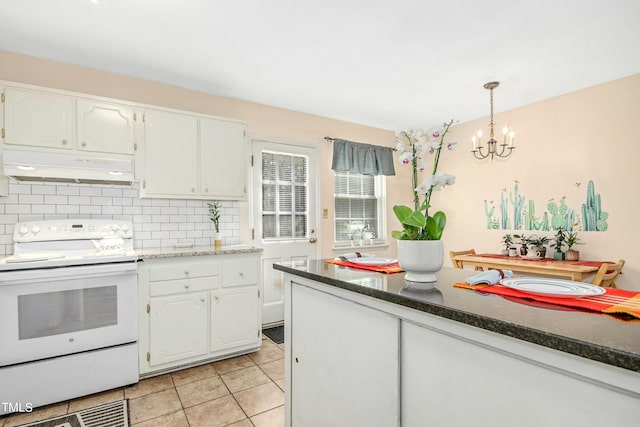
558,214
592,215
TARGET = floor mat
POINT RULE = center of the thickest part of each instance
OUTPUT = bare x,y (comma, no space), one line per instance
114,414
275,334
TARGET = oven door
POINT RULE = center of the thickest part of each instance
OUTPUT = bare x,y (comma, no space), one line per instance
57,311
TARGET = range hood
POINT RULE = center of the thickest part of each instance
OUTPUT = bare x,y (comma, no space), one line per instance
54,167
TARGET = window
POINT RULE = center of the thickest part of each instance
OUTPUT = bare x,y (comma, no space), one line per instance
359,208
284,196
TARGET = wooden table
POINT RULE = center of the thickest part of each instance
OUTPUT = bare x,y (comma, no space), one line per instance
548,266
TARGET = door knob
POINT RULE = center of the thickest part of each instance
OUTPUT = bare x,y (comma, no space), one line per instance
312,240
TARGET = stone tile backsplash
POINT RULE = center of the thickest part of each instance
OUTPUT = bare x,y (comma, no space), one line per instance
156,222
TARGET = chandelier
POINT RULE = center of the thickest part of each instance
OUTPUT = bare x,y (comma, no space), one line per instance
492,148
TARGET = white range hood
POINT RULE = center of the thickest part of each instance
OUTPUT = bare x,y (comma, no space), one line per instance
54,167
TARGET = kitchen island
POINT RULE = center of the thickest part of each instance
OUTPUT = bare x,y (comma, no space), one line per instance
363,348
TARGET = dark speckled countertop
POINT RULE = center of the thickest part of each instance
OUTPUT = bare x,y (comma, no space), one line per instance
594,336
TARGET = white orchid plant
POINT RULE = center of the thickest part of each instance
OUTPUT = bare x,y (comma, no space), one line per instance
414,146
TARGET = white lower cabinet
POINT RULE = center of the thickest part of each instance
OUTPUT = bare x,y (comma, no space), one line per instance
177,327
344,363
198,308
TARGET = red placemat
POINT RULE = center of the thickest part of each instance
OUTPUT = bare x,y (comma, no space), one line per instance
613,301
387,268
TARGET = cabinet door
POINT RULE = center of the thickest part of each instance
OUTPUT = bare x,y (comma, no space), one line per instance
170,154
223,159
344,362
235,318
178,327
39,119
105,127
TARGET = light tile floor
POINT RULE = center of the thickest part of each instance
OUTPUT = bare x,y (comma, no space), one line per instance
243,391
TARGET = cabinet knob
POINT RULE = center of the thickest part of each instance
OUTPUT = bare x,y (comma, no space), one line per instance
216,297
193,190
84,143
186,273
241,274
206,190
186,286
202,299
65,142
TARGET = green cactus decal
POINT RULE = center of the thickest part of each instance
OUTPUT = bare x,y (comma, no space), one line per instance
489,213
517,201
594,219
504,211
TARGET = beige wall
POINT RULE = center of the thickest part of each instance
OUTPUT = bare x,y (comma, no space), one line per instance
589,134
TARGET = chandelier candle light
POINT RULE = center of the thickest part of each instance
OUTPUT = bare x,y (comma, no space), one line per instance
479,150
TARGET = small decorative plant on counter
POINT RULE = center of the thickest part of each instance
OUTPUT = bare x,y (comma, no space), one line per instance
417,223
524,243
572,240
507,242
559,241
214,216
540,244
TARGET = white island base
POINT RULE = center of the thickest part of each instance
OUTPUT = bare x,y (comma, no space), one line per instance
354,360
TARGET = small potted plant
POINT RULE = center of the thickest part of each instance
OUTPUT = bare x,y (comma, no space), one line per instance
214,216
559,241
572,240
540,244
524,243
507,241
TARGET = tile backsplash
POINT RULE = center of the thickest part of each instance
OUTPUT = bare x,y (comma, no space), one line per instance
156,222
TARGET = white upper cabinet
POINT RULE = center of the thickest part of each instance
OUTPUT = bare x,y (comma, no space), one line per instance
170,155
105,127
193,157
39,119
223,159
56,122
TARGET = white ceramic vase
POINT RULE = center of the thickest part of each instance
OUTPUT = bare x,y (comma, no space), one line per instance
420,259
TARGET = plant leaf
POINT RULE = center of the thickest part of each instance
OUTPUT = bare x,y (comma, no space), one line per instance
435,225
416,219
402,212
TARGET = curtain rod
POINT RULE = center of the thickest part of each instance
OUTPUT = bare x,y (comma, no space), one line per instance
330,139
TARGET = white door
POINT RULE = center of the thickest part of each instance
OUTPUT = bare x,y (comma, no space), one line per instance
284,200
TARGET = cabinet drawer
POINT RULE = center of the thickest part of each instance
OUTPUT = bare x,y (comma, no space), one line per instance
239,273
169,287
183,270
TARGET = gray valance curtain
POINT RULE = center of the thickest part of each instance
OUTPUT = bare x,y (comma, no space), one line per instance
366,159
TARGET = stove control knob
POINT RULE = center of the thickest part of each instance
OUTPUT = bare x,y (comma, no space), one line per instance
124,228
23,230
35,229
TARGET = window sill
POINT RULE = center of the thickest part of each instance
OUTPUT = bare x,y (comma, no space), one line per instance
349,248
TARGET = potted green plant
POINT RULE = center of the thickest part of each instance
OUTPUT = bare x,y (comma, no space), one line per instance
540,244
507,242
572,240
559,241
524,243
214,216
420,250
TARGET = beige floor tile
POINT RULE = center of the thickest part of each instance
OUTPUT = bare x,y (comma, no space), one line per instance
271,418
267,353
233,364
260,398
201,391
215,413
96,400
188,375
275,369
38,414
154,405
244,378
280,383
174,419
149,385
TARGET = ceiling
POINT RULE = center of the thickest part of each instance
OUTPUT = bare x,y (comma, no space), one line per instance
392,64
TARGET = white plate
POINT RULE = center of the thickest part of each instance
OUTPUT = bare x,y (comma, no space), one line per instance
373,261
553,287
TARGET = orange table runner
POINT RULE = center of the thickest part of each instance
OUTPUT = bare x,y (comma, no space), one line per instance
614,301
585,263
387,268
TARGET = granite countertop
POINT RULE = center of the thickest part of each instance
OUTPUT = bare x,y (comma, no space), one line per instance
603,338
173,252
